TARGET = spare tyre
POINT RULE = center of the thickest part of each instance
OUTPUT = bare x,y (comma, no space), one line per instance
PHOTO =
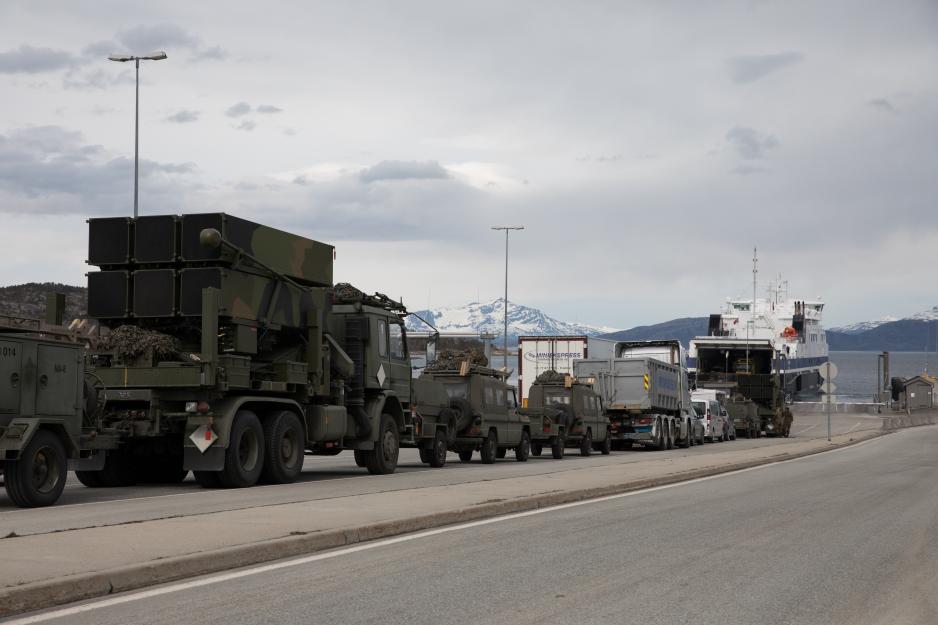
563,415
462,413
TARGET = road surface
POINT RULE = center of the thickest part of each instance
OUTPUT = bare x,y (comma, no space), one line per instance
849,536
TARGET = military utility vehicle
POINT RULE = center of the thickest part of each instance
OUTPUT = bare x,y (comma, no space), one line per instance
485,410
231,354
566,413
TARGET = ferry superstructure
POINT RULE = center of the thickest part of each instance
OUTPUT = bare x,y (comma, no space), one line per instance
763,335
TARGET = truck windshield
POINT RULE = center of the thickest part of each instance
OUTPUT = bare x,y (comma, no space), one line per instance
556,398
457,390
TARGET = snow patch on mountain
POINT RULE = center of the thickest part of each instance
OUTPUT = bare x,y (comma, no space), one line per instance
477,317
863,326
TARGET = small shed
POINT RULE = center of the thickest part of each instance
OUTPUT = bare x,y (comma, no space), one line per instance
917,393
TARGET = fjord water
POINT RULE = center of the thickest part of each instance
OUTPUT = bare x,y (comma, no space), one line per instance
856,371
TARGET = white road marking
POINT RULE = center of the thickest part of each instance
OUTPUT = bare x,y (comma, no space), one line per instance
344,551
855,426
810,427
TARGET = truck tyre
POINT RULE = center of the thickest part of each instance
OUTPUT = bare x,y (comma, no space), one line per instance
382,460
284,446
91,479
662,441
586,444
425,454
244,457
627,444
465,455
438,451
689,437
523,450
118,470
501,452
163,469
489,448
536,448
462,413
207,479
606,447
360,457
38,477
700,439
670,432
557,445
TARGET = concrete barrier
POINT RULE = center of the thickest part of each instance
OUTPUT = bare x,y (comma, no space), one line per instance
837,407
897,421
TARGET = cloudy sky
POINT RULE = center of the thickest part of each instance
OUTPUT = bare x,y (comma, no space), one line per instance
645,147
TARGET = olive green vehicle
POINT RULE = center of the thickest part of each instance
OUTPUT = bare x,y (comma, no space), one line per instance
566,413
42,404
485,412
232,355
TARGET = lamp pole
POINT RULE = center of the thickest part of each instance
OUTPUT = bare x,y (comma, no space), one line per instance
123,58
506,229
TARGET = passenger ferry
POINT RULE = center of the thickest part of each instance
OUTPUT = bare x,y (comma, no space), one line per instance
765,335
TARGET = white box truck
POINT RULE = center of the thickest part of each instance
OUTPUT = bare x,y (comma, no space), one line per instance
537,354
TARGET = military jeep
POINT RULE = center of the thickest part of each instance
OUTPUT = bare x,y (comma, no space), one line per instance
485,410
566,413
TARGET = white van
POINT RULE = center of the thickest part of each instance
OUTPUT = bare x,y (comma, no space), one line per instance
707,403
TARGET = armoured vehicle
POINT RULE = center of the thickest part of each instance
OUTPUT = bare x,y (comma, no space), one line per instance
566,412
485,411
42,405
643,393
231,354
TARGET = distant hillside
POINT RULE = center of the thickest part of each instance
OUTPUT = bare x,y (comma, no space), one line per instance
683,329
905,335
29,300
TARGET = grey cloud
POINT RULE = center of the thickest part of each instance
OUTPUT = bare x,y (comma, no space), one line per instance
183,117
247,125
881,104
97,79
268,108
239,109
602,158
99,50
44,161
403,170
750,143
748,170
750,68
143,38
30,60
214,53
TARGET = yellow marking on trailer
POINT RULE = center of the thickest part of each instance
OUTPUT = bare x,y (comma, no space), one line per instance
125,377
645,380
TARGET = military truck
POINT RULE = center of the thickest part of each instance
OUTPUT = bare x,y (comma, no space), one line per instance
565,412
485,410
643,395
231,354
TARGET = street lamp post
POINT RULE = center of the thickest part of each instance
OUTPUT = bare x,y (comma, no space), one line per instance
506,229
123,58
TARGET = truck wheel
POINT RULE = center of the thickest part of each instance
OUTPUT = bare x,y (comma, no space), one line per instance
670,429
536,448
627,444
438,451
38,477
700,439
523,450
557,445
360,457
163,470
382,460
662,442
244,457
119,469
424,455
462,413
207,479
586,444
606,447
284,444
91,479
465,455
501,452
489,448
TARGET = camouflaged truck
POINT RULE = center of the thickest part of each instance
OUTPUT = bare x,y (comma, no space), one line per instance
485,411
566,413
232,355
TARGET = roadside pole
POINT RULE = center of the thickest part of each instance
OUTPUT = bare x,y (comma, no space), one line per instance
829,390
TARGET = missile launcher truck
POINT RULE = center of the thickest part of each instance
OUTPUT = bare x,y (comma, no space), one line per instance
231,354
565,412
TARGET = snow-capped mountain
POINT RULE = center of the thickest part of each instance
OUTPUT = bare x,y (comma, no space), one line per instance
488,317
862,326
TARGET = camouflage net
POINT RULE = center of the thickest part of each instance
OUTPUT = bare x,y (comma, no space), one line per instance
550,377
449,359
130,342
348,293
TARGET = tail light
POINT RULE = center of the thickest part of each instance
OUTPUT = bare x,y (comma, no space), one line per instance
708,415
644,421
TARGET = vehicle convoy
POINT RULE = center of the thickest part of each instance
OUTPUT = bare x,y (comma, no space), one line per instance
231,354
565,412
644,393
483,407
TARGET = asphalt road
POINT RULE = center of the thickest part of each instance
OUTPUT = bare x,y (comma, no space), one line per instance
849,536
328,477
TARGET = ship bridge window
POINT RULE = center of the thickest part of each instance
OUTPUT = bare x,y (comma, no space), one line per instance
741,306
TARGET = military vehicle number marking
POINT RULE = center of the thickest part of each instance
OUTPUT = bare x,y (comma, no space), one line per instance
8,351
